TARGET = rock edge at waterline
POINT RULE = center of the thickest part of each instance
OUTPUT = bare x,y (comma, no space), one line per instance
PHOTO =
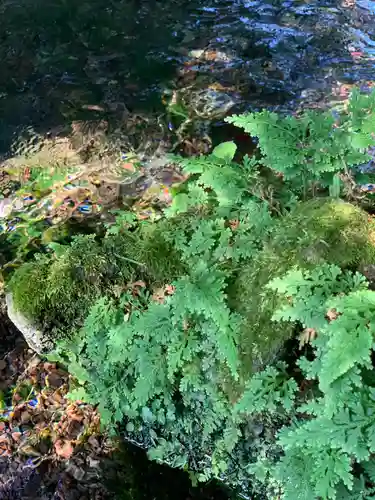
34,337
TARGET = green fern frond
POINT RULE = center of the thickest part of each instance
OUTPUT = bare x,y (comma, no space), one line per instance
267,391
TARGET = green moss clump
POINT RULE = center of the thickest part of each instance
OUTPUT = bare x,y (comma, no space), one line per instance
147,249
321,230
57,290
316,231
28,286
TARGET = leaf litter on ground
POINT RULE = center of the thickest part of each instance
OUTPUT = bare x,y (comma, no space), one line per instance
43,433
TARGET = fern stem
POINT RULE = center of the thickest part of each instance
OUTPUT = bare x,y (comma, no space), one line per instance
279,127
129,260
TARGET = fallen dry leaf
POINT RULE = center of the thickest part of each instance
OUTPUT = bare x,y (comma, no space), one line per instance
63,449
49,366
25,417
16,436
58,398
3,439
158,295
233,224
74,413
28,450
142,284
93,441
54,380
17,397
77,472
169,289
93,107
129,166
33,362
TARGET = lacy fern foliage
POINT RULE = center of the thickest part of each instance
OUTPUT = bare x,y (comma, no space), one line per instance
172,321
320,451
315,146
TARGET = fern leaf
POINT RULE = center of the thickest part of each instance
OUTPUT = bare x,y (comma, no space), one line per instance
267,391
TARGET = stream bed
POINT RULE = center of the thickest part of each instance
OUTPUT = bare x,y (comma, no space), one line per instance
64,61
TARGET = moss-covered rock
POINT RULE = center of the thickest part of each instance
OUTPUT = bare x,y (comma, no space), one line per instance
154,258
56,290
316,231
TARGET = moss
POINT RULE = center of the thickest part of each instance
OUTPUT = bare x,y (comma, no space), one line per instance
57,290
322,230
76,279
150,254
29,286
316,231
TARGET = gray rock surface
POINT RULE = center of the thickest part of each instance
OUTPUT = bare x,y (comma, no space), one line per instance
34,337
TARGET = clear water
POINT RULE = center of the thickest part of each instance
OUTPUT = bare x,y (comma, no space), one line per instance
63,60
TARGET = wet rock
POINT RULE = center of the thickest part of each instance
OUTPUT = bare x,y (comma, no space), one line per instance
34,337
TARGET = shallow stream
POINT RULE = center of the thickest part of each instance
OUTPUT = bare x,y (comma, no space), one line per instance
64,60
